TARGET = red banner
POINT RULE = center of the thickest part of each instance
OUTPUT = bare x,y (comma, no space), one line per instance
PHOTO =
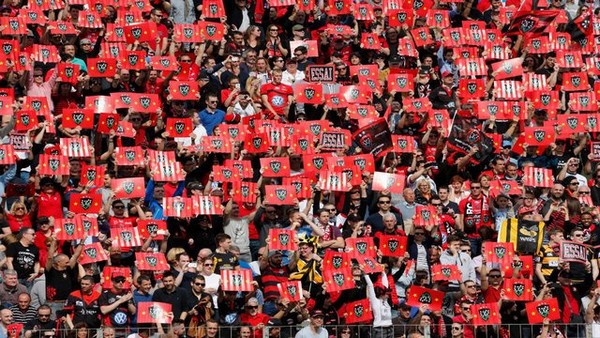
237,280
418,295
151,261
282,239
518,289
537,311
485,314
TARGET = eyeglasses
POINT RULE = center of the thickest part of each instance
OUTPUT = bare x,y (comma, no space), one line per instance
494,276
475,187
199,284
470,287
273,30
584,192
186,60
574,164
346,332
330,210
466,308
119,207
209,264
456,328
119,281
86,44
419,233
578,235
279,60
43,316
384,202
341,68
135,119
436,204
213,102
298,54
20,208
38,75
574,183
251,307
465,250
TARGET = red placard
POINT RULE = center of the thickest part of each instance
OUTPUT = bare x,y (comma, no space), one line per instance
93,253
177,207
282,239
538,177
7,154
337,280
386,181
68,229
154,312
237,280
280,195
126,237
537,311
418,295
595,151
440,272
518,289
573,252
53,165
148,226
501,253
392,245
360,247
291,291
85,203
127,188
275,166
485,314
358,312
151,261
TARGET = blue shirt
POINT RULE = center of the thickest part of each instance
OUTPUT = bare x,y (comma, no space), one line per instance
211,120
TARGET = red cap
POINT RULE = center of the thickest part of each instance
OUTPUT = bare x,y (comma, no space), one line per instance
447,73
232,118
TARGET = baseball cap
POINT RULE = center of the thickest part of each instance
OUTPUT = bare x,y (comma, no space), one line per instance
275,253
85,41
423,70
447,73
317,313
506,143
298,28
203,75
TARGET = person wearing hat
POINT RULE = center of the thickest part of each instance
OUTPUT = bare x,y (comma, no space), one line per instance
425,82
86,50
116,304
315,328
292,75
444,96
254,317
271,276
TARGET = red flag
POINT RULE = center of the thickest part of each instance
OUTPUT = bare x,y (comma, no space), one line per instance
237,280
89,225
100,104
358,312
438,18
336,260
126,237
6,107
225,174
142,32
538,177
505,187
280,194
311,93
539,136
83,118
179,126
400,83
575,81
164,63
583,102
85,203
386,181
207,205
149,226
213,9
177,207
53,165
13,25
14,330
151,261
337,280
365,162
485,314
237,132
107,122
426,216
501,253
45,54
102,67
569,59
531,23
508,68
128,188
217,144
537,311
184,90
89,19
76,147
26,120
257,143
572,123
472,66
392,245
130,156
360,247
471,88
168,172
544,99
187,33
282,239
7,154
132,60
301,184
125,129
212,31
422,36
68,72
418,295
441,272
508,90
454,37
275,166
518,289
338,7
93,253
244,192
532,81
68,229
291,291
334,181
370,41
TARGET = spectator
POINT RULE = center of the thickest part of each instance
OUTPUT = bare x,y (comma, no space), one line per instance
172,294
11,288
23,312
116,305
315,328
83,304
254,317
42,325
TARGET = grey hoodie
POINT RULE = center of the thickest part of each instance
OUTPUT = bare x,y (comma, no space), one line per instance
464,263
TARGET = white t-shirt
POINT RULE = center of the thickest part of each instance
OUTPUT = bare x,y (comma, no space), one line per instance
307,332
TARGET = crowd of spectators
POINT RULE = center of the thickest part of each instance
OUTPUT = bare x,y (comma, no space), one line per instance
200,88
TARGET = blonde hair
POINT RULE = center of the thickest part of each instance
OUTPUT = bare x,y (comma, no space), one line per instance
172,254
18,204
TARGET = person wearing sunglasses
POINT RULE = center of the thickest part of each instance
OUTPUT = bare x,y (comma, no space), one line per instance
199,303
474,214
253,316
42,326
384,203
116,304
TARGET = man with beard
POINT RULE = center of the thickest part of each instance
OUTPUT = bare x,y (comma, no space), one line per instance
271,276
172,294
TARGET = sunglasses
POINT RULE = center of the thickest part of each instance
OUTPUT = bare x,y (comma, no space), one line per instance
494,276
199,284
251,307
384,202
119,281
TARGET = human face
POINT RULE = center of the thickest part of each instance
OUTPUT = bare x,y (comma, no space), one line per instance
7,317
476,190
495,278
252,308
299,55
38,77
384,203
409,195
324,217
24,301
29,236
245,332
225,244
82,332
389,223
578,236
457,330
277,76
471,290
586,220
500,166
271,213
454,246
159,193
70,50
183,260
169,283
44,315
119,209
212,329
207,266
198,285
10,280
317,321
558,191
108,332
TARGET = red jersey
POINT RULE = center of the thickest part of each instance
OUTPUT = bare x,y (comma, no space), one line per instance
50,205
277,95
476,213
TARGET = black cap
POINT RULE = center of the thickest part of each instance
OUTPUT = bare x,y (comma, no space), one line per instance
204,75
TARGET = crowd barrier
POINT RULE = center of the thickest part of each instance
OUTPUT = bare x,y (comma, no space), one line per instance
570,330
